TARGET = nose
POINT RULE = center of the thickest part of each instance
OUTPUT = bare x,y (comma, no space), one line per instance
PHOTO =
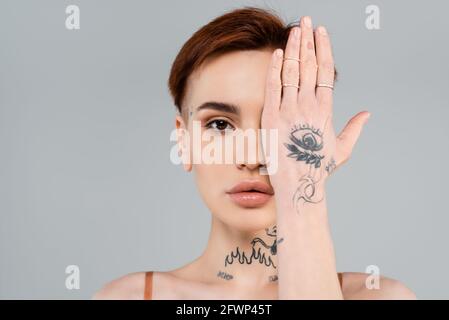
253,158
252,166
250,161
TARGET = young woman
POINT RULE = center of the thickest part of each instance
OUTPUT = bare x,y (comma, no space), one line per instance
269,237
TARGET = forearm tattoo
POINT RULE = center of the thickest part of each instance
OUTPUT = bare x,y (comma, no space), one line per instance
262,251
306,143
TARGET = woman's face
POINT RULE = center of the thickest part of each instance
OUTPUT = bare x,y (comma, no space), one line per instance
236,79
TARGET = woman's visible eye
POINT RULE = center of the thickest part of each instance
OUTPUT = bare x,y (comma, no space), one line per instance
219,125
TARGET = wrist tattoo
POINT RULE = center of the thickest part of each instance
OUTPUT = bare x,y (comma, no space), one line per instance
305,192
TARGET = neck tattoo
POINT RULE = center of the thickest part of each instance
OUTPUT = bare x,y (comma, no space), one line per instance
261,251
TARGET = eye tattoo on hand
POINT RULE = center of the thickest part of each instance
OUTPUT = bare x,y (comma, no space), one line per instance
306,142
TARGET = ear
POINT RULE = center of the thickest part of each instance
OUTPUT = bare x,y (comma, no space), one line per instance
183,142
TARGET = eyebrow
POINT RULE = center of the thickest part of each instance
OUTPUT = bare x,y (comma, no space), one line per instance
220,106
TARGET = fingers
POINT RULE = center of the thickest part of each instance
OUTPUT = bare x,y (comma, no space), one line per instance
273,88
290,69
349,136
325,68
308,65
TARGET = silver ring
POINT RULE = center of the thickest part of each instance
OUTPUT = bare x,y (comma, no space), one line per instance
290,85
291,58
325,85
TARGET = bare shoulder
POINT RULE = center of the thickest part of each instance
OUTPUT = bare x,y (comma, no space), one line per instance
128,287
354,287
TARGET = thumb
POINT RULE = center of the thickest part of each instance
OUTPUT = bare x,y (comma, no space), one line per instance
350,134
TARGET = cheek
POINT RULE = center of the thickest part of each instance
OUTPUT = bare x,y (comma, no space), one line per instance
211,179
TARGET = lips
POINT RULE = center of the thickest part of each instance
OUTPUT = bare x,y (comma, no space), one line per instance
251,193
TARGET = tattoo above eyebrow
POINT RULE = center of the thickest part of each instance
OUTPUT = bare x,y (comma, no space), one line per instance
219,106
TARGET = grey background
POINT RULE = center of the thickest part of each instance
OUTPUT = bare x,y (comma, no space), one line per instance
85,118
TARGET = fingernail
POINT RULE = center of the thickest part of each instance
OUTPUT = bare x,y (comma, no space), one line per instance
322,30
278,53
295,31
307,21
366,119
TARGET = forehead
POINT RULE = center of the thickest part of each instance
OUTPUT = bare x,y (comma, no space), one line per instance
237,77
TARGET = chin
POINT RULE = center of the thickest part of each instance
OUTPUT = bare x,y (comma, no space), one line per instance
248,219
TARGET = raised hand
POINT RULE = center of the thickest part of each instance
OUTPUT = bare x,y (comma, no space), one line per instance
298,102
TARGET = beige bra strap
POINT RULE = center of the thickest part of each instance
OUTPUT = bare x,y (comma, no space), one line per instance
148,293
340,279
